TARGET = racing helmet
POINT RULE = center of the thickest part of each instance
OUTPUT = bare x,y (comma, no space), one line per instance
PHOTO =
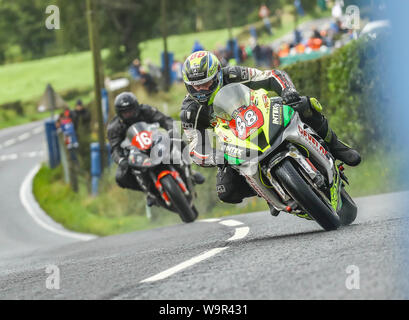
127,107
203,76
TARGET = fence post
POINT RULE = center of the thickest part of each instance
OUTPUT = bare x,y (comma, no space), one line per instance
105,104
73,168
63,156
96,165
52,142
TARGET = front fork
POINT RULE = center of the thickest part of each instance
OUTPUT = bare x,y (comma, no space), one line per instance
158,185
310,173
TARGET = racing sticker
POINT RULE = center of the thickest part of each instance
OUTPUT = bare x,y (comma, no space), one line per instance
312,141
233,151
199,54
142,140
244,74
277,114
247,120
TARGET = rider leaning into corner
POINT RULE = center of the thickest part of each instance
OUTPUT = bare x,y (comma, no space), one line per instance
203,77
128,111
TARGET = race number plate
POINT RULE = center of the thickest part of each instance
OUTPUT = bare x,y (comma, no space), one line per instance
142,140
247,121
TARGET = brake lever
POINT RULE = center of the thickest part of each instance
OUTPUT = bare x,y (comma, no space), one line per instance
294,103
300,105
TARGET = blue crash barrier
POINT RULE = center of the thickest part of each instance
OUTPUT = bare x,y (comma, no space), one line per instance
96,164
52,142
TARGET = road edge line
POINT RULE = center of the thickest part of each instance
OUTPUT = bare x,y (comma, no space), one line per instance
39,216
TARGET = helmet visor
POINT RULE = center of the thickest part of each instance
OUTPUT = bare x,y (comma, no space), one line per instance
128,114
203,87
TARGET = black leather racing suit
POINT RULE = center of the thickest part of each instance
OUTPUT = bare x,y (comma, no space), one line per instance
116,134
231,186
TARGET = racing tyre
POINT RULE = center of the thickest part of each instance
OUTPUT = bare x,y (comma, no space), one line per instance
178,199
348,210
305,196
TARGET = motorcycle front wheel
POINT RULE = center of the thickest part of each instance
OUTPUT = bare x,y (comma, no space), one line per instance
348,210
305,196
178,199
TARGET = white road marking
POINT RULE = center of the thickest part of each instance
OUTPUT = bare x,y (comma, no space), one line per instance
240,233
210,220
14,156
9,142
33,154
184,265
24,136
25,189
6,157
38,130
231,223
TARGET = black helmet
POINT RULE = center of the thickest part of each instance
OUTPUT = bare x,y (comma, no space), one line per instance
127,107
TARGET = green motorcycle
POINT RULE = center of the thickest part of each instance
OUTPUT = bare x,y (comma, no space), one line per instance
282,158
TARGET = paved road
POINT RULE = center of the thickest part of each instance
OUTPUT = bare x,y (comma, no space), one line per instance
21,148
250,256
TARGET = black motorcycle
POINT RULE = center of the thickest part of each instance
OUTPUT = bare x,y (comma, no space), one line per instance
158,166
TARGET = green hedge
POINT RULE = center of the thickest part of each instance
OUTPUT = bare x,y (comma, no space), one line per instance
348,83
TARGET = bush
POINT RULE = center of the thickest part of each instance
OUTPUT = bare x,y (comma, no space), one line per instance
348,84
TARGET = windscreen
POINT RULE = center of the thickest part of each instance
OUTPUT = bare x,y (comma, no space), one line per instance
139,127
229,99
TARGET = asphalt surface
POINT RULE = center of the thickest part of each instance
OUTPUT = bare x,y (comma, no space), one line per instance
20,149
282,257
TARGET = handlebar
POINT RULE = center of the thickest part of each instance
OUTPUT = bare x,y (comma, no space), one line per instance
280,100
303,99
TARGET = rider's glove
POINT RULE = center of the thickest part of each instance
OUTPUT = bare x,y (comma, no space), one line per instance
290,95
303,107
188,118
202,160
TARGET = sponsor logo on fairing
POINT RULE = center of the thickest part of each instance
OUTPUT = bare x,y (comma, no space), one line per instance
312,141
277,114
244,74
233,151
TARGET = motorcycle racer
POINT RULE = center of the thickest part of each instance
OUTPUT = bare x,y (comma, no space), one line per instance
203,77
128,111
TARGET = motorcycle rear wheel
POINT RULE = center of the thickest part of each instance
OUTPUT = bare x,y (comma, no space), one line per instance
178,199
305,196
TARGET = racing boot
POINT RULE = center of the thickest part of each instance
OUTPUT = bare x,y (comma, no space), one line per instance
151,200
197,177
273,211
342,151
312,115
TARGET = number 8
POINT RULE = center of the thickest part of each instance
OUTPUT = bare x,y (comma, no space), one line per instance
250,117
